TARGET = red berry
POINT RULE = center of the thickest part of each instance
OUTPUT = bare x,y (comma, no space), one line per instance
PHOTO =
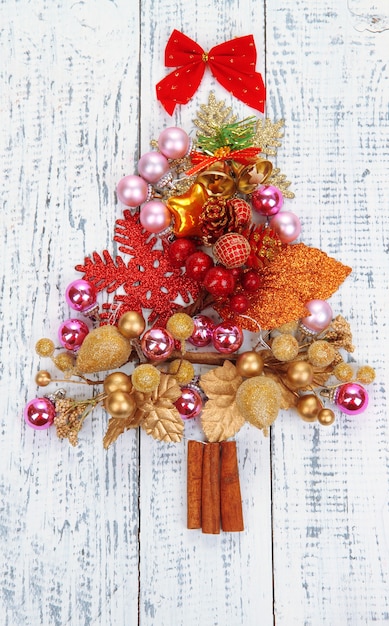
197,265
179,251
236,272
251,281
239,303
219,282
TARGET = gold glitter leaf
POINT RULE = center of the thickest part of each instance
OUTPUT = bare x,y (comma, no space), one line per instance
104,348
259,400
267,136
297,274
221,418
278,179
213,115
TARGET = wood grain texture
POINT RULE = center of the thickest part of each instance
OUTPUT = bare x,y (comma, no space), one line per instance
94,537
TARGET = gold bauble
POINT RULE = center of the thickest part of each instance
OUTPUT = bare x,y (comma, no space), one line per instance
258,400
131,324
366,374
249,364
180,325
343,372
119,404
43,378
104,348
145,378
182,370
321,353
285,347
326,417
117,381
300,374
308,407
44,347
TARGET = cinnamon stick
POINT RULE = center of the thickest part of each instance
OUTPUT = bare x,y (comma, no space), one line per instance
210,497
194,477
230,496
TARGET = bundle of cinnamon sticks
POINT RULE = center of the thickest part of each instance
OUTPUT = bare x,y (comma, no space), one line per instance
213,488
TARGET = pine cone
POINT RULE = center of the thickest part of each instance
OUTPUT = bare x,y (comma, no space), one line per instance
217,218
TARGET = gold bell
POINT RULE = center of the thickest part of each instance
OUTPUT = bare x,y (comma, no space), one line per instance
217,180
250,176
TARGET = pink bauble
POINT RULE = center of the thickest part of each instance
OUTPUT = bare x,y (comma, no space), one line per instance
203,331
173,142
286,225
72,333
39,413
320,316
152,166
189,404
155,216
267,200
81,295
157,344
351,398
227,337
132,190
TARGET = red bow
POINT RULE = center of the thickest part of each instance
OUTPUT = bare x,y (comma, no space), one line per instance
232,63
245,156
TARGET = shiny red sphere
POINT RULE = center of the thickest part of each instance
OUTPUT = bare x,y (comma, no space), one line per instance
251,281
227,337
197,265
179,250
239,303
219,282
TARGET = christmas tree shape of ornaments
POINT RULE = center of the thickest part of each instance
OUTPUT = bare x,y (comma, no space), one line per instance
204,229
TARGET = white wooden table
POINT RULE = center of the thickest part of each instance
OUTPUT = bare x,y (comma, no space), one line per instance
95,537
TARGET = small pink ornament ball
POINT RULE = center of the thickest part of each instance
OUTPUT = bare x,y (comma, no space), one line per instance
267,200
39,413
72,333
157,344
81,295
351,398
287,226
173,143
227,337
189,404
132,190
152,166
203,331
320,316
155,216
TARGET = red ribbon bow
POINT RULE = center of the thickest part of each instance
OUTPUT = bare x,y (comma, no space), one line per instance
232,63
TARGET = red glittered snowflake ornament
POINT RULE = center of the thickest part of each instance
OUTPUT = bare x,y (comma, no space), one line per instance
148,279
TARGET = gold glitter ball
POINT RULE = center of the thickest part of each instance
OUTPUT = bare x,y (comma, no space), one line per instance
289,328
64,361
258,400
285,347
104,348
44,347
145,378
182,370
343,372
366,374
321,353
180,325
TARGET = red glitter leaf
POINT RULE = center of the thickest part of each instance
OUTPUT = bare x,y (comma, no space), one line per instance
148,280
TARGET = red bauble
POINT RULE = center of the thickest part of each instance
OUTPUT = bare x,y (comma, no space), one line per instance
251,281
179,250
197,265
239,303
219,282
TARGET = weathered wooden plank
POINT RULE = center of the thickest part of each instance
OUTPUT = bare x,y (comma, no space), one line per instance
69,520
330,488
